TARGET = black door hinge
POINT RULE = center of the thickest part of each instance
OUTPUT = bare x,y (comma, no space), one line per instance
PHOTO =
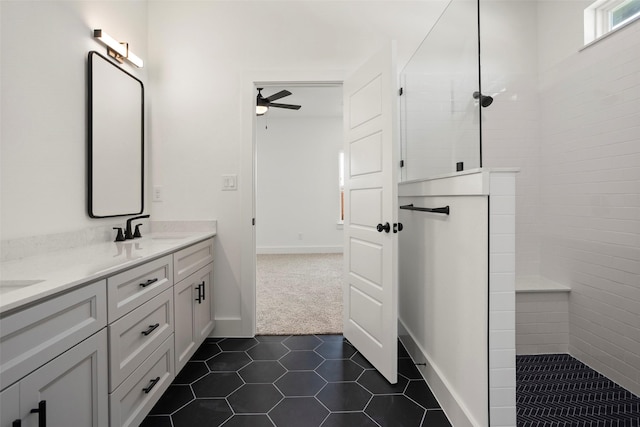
401,163
400,91
253,221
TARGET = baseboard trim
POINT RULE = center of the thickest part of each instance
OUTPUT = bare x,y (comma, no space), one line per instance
449,402
276,250
229,328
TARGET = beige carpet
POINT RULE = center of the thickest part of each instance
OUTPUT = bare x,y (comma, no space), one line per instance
299,294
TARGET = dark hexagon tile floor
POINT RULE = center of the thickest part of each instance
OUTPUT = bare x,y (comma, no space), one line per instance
293,381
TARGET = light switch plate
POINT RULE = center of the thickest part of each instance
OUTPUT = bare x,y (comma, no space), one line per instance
229,182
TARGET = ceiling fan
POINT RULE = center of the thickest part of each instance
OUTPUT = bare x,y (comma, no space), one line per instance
263,104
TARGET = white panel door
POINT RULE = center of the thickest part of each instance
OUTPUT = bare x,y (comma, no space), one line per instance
370,289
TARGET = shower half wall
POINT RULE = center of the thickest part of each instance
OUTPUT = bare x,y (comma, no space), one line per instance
457,292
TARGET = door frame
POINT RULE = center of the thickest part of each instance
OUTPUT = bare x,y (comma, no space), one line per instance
246,327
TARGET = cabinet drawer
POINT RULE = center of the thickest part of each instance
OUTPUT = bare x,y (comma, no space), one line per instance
130,403
35,335
133,337
191,259
132,288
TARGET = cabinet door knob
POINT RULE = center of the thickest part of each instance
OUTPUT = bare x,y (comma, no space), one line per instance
42,413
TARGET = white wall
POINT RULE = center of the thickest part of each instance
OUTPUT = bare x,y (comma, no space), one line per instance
197,57
297,184
44,108
202,57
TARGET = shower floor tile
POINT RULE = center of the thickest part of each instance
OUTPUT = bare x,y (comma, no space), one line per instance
558,390
298,381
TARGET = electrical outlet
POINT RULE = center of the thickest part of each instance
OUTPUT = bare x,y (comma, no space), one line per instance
157,193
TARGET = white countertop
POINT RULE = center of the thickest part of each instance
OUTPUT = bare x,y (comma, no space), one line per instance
27,280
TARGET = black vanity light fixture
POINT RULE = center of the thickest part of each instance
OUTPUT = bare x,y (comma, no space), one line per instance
118,50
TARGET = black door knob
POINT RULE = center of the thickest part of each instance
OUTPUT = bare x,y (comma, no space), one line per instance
386,227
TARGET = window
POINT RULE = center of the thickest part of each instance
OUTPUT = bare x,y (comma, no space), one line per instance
604,16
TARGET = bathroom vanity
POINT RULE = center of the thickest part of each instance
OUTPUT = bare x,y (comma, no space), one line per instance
93,336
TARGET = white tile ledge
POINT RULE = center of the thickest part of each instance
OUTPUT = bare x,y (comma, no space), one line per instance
538,284
60,271
473,182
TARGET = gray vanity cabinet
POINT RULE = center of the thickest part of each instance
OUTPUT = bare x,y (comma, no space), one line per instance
103,353
54,356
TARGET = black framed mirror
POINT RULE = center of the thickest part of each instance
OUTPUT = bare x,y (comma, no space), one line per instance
115,140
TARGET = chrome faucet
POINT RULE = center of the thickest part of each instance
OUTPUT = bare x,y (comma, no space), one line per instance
128,234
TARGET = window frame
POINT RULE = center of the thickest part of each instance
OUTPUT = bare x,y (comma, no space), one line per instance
598,19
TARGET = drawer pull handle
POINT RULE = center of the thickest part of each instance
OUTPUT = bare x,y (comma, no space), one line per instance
152,385
151,329
203,287
42,413
148,282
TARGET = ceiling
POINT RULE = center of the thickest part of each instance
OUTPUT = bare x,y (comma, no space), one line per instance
316,100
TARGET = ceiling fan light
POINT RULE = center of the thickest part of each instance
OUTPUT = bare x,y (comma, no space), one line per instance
261,109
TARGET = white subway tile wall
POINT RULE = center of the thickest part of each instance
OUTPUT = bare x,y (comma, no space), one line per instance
502,307
590,200
570,120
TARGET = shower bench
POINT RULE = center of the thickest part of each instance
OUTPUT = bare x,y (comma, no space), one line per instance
542,316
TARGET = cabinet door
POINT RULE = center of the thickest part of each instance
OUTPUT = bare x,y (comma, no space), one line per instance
203,311
183,299
73,386
9,406
193,306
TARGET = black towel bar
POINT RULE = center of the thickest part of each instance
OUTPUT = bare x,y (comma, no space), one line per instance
444,210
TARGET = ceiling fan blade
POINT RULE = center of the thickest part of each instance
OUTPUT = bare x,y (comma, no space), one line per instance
288,106
278,95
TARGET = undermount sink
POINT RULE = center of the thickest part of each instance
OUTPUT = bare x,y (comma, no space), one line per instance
12,285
